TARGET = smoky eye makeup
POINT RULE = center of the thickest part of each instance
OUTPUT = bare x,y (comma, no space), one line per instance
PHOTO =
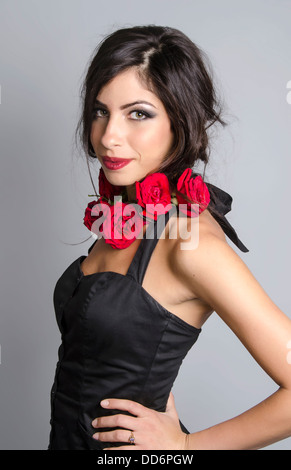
99,110
140,114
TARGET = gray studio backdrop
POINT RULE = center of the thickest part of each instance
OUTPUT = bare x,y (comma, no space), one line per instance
44,49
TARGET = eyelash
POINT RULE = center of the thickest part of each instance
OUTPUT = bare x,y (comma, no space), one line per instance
146,114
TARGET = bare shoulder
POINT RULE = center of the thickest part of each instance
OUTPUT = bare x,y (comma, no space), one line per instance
210,266
208,226
205,239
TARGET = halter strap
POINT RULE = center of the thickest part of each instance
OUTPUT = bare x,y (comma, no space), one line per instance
89,249
149,241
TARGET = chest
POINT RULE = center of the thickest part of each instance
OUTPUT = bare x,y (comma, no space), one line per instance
158,280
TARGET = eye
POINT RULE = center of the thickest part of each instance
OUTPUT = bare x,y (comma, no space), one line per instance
100,113
139,115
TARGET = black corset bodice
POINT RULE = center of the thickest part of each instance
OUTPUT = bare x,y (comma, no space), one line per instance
117,342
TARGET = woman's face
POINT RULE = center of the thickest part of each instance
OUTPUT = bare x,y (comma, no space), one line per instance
131,131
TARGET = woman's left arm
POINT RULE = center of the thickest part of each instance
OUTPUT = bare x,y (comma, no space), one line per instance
222,279
218,276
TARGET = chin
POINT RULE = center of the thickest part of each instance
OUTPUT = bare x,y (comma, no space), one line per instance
120,178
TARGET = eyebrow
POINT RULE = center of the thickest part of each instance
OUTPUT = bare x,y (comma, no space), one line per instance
128,105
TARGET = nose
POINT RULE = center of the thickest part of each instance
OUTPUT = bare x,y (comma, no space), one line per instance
113,133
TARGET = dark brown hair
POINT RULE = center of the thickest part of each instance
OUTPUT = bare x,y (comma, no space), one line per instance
175,69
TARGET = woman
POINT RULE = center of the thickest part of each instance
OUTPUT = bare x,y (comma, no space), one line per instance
130,310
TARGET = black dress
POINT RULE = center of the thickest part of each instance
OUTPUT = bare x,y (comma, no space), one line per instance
117,342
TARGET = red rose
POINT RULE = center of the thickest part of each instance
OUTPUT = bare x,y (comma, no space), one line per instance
125,225
93,212
88,218
153,194
195,190
107,189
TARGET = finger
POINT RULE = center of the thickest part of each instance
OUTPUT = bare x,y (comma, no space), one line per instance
113,421
118,435
125,405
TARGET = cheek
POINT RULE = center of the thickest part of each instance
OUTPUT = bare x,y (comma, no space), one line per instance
96,133
155,141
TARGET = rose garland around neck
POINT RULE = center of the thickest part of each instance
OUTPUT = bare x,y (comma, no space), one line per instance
121,222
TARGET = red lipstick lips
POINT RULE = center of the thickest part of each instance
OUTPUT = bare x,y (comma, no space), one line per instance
114,163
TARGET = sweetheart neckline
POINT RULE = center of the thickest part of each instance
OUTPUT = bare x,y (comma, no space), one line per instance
96,274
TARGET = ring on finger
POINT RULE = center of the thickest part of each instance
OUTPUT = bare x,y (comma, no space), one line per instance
131,438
